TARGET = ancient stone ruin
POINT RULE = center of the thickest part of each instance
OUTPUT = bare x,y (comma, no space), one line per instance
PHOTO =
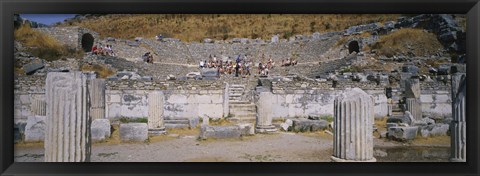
458,125
156,123
264,113
353,140
67,136
57,104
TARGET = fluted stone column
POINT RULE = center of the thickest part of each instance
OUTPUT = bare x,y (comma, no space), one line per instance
264,113
67,136
156,124
226,94
353,139
414,107
390,109
97,98
458,125
39,107
412,93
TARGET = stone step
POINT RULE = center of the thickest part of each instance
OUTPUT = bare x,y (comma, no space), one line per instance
235,95
242,105
237,86
176,126
236,89
177,122
239,102
176,118
244,108
242,114
243,111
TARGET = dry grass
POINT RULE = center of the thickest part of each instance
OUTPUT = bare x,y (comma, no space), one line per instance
421,43
101,70
114,137
220,122
433,140
381,125
42,45
321,134
29,145
184,131
195,27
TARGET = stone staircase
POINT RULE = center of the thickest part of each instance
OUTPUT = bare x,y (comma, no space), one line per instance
240,108
397,111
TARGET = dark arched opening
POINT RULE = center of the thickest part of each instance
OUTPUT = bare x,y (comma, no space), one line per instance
87,42
353,46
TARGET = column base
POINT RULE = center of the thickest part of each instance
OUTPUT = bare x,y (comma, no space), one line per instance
457,160
335,159
156,131
265,129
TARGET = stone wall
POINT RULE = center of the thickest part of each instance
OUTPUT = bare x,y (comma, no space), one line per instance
183,99
436,104
303,49
70,36
26,90
315,98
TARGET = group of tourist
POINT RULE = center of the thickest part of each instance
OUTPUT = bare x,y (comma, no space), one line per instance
288,62
101,50
242,66
239,67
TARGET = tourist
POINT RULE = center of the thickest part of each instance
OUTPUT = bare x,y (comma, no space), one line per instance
100,51
247,68
238,59
260,68
237,67
94,49
294,62
202,64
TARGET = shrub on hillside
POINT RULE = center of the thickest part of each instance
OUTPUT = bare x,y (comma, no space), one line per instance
42,45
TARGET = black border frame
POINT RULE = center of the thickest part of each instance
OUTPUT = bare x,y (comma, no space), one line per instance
10,7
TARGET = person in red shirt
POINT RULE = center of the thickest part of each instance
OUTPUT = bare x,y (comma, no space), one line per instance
94,49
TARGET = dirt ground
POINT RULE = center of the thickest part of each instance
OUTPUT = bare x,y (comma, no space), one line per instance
279,147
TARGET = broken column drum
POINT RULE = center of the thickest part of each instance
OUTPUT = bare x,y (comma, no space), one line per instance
39,107
414,107
67,136
264,113
97,98
156,125
412,94
458,125
353,126
226,94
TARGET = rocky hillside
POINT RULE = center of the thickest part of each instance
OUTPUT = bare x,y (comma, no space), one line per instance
196,27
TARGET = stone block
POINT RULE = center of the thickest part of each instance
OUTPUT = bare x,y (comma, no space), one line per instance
247,129
100,129
33,66
35,129
402,133
137,132
434,130
305,125
399,119
193,122
177,126
220,132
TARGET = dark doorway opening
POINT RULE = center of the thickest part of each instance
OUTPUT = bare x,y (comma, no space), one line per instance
87,42
353,46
